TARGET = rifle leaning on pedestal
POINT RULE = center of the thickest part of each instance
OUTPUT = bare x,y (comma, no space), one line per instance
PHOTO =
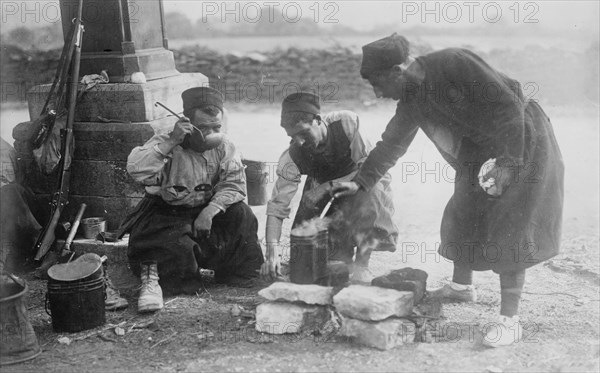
60,198
45,122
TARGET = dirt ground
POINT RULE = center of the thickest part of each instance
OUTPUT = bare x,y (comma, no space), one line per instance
560,307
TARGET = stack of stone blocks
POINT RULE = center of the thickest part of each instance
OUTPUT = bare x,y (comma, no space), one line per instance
374,316
293,308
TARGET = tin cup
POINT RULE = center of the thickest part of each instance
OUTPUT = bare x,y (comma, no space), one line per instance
93,226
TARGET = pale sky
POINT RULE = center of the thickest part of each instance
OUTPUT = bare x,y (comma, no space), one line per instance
559,15
367,14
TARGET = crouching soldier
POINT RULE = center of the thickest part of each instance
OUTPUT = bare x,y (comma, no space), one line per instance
328,148
193,216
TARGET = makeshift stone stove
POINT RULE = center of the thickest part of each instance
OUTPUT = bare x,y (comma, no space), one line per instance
375,316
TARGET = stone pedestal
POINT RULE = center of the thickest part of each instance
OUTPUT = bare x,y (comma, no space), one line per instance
125,102
98,171
122,37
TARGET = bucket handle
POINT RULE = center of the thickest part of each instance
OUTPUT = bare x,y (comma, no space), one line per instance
17,280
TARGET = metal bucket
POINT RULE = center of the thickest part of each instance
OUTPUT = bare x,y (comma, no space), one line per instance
76,294
76,306
93,226
308,258
18,341
257,177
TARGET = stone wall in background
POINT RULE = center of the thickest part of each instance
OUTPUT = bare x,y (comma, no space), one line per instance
549,75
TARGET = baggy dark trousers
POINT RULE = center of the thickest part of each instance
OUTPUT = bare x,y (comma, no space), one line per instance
163,234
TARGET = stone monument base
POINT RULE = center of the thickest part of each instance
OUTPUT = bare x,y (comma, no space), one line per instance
125,102
99,175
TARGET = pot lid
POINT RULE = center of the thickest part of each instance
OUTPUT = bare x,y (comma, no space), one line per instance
78,269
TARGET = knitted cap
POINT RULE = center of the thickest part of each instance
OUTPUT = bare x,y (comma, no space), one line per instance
201,96
301,102
384,53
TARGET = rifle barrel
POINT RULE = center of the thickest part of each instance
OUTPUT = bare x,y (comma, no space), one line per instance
47,237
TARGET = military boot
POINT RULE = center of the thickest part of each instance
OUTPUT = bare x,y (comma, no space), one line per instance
151,297
448,294
114,301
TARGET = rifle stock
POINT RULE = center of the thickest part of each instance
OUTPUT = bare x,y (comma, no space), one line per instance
47,236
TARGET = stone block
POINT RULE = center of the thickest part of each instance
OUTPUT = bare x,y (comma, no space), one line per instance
100,155
372,303
287,291
111,132
404,279
103,151
383,335
109,141
116,252
286,318
416,287
114,209
103,178
125,101
88,178
98,140
409,273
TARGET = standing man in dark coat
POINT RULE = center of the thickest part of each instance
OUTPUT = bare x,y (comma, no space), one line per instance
193,216
506,211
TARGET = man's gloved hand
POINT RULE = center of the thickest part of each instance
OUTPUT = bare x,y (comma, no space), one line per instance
494,179
203,223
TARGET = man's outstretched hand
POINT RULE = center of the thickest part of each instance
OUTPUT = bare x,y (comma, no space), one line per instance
271,269
344,189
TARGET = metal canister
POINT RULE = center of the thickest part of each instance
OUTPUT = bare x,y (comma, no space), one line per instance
308,258
257,177
18,341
